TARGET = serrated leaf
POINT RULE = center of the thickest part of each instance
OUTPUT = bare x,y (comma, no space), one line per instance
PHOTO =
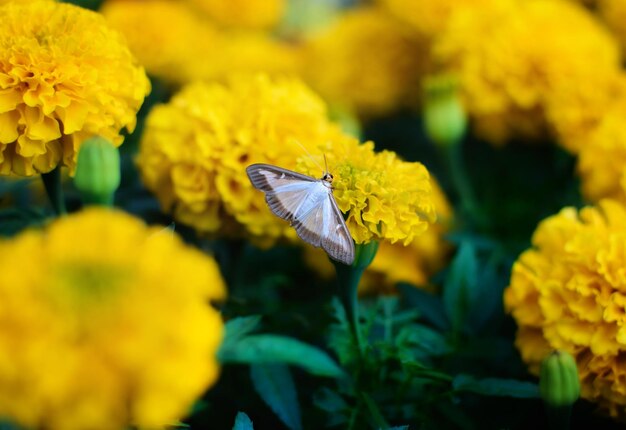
274,349
242,422
239,327
275,385
496,387
418,370
340,338
428,305
460,286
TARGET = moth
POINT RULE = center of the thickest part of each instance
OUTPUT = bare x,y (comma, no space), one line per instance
309,206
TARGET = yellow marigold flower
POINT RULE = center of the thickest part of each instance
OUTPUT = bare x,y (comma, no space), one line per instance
243,13
196,148
428,17
614,13
195,151
169,40
384,197
192,48
516,83
65,77
413,264
366,61
569,293
109,336
602,156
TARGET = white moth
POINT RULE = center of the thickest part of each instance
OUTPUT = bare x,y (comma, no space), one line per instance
309,206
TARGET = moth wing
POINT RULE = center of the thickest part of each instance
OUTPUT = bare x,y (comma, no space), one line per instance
336,238
285,191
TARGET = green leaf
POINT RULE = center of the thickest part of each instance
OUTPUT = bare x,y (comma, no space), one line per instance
460,290
340,338
273,349
496,387
329,401
242,422
423,338
428,305
239,327
275,385
418,370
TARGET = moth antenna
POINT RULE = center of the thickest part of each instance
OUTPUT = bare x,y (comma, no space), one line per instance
308,153
326,164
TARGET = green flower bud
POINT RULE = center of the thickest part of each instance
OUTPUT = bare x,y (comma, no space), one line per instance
558,383
97,171
445,119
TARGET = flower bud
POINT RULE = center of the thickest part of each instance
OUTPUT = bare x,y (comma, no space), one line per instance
558,383
445,119
97,171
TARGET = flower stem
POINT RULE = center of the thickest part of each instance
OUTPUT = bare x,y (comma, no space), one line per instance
453,158
54,189
348,278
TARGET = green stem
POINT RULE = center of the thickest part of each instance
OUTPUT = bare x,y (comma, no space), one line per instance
349,278
559,417
54,189
453,158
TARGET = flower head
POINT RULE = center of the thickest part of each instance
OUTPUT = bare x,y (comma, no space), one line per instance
195,151
602,156
196,148
569,293
105,336
65,77
242,13
193,48
173,55
429,18
383,197
367,61
516,83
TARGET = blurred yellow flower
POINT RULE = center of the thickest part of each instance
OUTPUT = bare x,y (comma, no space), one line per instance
193,48
169,40
520,63
65,77
602,156
569,293
366,61
196,148
384,197
614,13
242,13
426,16
110,336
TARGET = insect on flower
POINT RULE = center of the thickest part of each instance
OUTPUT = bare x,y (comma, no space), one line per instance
308,204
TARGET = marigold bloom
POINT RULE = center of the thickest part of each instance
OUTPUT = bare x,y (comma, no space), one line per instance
427,17
242,13
569,293
195,151
413,264
169,40
602,156
367,61
614,13
193,48
384,197
110,336
196,148
516,83
65,77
